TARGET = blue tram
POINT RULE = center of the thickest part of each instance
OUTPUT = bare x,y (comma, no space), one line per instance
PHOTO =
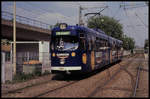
81,49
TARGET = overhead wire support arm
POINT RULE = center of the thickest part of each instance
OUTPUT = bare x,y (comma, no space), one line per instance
84,8
92,13
97,13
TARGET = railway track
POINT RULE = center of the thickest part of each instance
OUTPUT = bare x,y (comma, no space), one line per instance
48,92
28,91
27,86
122,67
137,81
62,84
52,86
58,88
139,68
101,87
68,84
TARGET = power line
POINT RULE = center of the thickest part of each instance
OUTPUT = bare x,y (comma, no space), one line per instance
45,10
37,13
117,11
141,20
127,6
28,11
129,20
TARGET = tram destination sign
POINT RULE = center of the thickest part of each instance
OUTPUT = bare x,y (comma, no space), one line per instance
63,33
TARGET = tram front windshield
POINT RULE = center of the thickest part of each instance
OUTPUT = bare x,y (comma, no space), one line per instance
65,43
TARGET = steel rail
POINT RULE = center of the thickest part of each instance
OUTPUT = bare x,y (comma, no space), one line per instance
137,81
111,78
28,86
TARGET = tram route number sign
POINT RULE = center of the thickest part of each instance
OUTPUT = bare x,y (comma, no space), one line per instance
63,33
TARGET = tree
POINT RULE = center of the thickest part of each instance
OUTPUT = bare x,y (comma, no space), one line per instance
112,28
146,45
147,3
57,24
51,26
128,43
107,24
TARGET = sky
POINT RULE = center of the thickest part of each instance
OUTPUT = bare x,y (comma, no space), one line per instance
134,18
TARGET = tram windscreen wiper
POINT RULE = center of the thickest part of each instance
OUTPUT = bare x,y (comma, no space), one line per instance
64,43
71,48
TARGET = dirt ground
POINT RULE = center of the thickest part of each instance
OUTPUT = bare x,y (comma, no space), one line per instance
93,86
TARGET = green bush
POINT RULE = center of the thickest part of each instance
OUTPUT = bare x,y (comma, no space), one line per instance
46,72
37,72
22,77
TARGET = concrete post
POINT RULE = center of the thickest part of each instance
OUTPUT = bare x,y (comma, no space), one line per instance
14,40
80,16
3,67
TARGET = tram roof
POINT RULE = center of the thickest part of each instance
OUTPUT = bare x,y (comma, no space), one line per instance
97,33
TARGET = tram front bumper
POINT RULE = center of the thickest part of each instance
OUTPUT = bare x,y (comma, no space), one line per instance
68,68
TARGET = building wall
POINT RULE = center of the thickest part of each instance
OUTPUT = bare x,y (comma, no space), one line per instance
44,56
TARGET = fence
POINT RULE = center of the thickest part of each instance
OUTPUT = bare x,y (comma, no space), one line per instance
24,60
3,67
33,58
7,69
25,20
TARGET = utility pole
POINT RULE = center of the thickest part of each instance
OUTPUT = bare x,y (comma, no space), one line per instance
80,15
14,40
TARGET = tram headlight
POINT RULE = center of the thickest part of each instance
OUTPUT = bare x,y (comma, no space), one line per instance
73,54
53,54
84,58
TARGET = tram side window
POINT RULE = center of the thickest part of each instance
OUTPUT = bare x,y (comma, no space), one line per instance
110,44
119,47
52,44
89,43
102,42
82,41
105,43
113,45
94,44
116,45
97,43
